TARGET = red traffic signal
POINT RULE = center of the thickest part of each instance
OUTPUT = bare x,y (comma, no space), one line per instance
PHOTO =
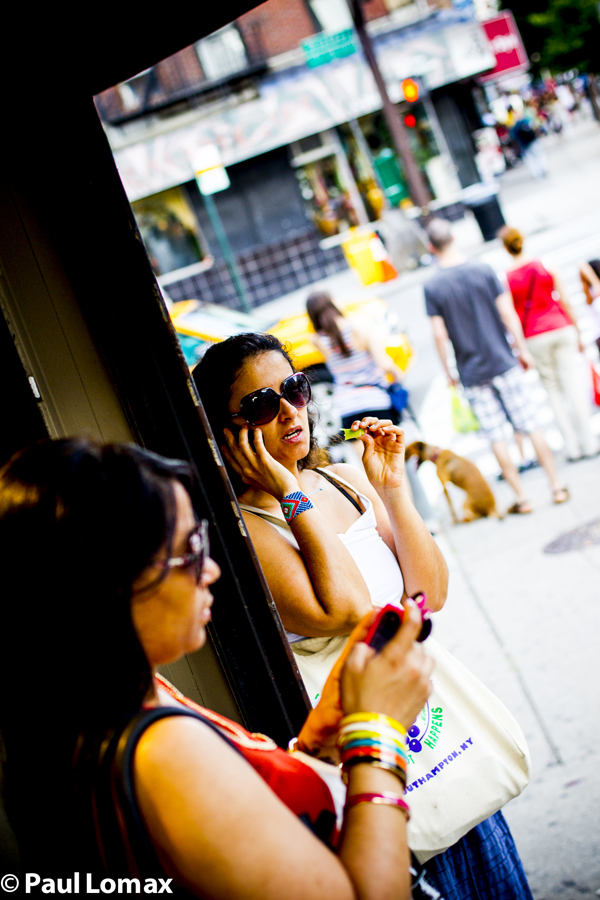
410,90
410,121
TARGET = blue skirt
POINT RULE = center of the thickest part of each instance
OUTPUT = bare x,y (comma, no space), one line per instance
483,865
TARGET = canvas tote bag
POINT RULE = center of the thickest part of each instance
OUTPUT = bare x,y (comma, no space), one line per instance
467,758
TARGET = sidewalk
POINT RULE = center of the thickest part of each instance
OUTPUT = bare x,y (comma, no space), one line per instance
527,623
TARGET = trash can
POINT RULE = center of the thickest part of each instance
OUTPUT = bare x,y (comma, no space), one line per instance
482,199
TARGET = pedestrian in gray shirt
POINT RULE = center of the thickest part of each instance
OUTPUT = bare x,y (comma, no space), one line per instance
468,306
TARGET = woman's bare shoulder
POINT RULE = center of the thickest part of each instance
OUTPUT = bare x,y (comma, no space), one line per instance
176,738
350,473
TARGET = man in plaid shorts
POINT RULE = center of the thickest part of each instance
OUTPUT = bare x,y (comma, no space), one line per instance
468,305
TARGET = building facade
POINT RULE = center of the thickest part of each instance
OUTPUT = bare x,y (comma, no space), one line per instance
306,147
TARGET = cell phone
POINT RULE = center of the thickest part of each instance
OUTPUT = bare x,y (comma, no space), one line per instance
389,620
235,430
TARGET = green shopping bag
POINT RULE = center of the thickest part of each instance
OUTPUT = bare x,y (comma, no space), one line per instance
463,417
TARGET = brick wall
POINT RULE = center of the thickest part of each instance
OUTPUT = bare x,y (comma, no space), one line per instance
174,72
283,23
374,10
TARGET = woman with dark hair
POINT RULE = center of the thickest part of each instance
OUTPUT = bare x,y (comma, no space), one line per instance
109,772
550,327
332,541
357,360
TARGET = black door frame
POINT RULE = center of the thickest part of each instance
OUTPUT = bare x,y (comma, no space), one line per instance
84,222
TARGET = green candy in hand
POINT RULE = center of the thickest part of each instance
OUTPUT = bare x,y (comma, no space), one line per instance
349,435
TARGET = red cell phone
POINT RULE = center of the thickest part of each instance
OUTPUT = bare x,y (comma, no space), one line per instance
388,621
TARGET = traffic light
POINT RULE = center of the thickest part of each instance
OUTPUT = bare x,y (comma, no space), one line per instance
410,90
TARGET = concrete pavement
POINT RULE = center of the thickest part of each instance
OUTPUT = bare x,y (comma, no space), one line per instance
526,622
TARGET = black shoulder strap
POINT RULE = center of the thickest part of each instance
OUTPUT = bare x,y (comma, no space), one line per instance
120,827
341,489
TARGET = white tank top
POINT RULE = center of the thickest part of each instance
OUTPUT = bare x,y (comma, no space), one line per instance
376,562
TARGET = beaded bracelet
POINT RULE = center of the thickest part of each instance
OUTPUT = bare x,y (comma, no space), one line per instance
295,503
384,799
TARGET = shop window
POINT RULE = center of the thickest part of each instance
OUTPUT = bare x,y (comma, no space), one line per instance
132,92
327,200
392,5
332,15
362,167
262,206
222,54
170,231
423,145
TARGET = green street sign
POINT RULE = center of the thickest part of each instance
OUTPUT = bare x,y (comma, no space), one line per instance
324,48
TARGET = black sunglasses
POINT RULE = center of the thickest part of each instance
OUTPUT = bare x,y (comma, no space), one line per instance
262,406
195,558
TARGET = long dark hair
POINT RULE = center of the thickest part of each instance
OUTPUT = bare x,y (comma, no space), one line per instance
323,314
79,522
215,376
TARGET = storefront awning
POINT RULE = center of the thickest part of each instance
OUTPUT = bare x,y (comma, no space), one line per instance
301,101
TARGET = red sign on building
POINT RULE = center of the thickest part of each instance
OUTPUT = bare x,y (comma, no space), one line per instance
507,46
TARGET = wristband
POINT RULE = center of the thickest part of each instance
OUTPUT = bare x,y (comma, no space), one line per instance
366,729
384,799
372,718
372,739
396,770
293,504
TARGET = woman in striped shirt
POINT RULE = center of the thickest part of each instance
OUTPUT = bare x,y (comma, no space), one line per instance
357,360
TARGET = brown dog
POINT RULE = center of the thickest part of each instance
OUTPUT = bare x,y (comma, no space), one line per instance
464,474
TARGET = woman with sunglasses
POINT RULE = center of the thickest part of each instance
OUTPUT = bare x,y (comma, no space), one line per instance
108,771
332,541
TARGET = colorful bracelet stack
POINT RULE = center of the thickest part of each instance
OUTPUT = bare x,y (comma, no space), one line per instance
372,738
293,504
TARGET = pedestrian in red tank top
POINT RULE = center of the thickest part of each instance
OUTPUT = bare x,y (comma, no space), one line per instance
550,327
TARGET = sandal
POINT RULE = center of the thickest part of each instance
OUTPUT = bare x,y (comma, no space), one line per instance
561,495
520,509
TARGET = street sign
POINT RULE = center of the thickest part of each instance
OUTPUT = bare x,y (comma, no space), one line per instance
507,46
211,175
324,48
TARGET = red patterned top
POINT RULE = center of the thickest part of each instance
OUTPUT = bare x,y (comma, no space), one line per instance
532,286
299,782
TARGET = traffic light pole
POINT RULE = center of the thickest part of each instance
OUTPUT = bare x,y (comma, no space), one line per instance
416,184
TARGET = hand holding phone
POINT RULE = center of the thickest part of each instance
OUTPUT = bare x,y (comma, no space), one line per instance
388,621
247,455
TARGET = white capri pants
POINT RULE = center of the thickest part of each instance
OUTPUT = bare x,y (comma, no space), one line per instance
563,374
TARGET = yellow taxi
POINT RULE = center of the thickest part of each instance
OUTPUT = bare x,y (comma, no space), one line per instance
200,324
